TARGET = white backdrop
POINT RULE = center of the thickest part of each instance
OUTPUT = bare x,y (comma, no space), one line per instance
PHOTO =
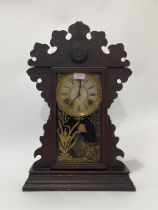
23,112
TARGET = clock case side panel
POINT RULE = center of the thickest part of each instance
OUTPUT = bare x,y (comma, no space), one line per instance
116,77
45,86
103,121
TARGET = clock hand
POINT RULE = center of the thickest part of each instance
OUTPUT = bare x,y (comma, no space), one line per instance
78,94
74,99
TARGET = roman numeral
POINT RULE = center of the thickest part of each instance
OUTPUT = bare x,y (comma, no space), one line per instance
86,106
66,86
65,94
91,87
92,94
71,81
78,108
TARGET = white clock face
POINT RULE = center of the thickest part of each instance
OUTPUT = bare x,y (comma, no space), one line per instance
79,97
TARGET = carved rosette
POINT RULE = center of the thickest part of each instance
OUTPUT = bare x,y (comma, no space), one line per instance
81,52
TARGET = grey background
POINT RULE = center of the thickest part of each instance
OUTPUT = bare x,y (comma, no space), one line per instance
23,112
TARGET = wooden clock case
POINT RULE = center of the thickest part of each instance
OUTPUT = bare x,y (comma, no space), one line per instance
79,54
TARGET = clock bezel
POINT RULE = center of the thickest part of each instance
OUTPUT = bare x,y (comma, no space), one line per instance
71,112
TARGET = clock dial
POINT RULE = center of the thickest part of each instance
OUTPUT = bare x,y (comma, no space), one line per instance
79,97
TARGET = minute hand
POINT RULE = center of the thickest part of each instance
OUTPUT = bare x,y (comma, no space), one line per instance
79,92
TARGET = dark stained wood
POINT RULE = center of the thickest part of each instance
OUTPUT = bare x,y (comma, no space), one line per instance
79,54
98,180
95,55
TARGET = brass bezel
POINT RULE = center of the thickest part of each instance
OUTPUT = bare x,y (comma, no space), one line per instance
89,76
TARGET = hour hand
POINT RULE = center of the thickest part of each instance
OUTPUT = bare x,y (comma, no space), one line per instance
73,100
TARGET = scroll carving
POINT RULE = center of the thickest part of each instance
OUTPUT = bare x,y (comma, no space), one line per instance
45,160
116,74
43,74
114,152
79,31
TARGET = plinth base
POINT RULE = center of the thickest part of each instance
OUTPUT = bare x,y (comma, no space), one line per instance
49,180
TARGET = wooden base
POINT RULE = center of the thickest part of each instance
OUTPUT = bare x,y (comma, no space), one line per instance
49,180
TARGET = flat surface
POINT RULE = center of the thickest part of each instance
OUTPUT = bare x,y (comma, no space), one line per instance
135,112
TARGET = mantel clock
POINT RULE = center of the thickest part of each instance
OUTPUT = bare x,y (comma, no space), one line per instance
79,82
